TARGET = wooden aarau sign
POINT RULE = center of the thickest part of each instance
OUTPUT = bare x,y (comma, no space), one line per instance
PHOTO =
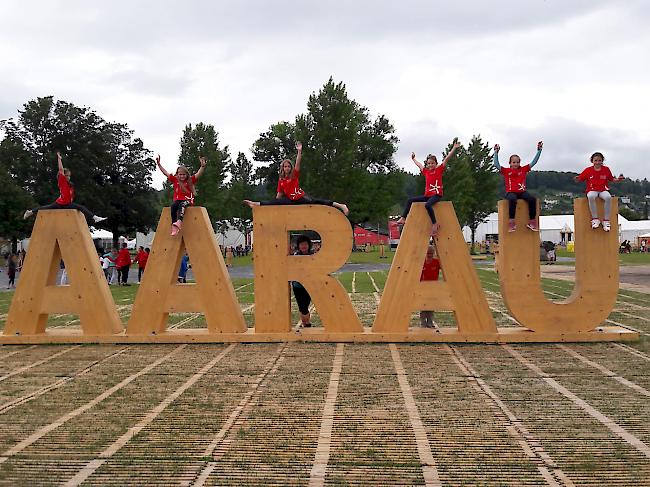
63,234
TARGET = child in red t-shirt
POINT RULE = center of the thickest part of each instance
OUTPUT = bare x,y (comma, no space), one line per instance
432,185
289,191
515,181
430,272
66,197
597,176
184,191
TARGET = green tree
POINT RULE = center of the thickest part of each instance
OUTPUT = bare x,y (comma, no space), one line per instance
347,156
485,184
14,200
459,185
110,168
240,187
203,140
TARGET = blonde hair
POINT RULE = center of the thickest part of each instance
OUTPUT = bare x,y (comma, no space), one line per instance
186,185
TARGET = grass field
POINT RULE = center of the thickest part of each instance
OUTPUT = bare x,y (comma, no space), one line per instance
288,414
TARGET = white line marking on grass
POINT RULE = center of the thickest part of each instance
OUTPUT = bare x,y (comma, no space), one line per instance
585,406
55,385
34,437
429,470
354,282
374,284
242,287
2,357
605,370
632,350
93,465
36,364
226,435
317,475
528,443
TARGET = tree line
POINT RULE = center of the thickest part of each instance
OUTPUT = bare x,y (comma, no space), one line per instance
348,156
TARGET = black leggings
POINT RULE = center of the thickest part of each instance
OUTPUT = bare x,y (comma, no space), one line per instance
123,275
140,271
302,297
12,278
178,209
512,204
72,206
428,201
305,200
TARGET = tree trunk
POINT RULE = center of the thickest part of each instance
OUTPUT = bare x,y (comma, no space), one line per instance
116,237
14,244
473,230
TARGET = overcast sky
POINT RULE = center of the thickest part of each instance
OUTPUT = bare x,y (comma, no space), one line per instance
571,72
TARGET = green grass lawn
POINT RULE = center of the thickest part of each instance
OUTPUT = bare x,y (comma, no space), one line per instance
635,258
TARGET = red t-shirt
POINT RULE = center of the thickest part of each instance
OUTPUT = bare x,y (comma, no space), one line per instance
515,179
433,180
66,189
289,186
596,180
182,191
123,258
142,258
430,270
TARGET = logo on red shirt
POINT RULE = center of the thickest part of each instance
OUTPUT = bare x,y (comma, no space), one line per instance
433,180
596,180
515,179
290,188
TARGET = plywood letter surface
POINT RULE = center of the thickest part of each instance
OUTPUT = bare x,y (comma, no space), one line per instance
274,267
160,293
596,284
61,234
461,292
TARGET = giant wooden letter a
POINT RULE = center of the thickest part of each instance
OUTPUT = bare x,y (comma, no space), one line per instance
62,234
160,293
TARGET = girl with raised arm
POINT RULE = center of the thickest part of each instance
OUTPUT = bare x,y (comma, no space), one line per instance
64,201
289,191
597,176
515,181
184,191
432,185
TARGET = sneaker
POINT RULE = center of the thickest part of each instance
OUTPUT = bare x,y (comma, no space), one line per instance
606,225
512,226
532,224
435,229
595,223
175,230
98,219
27,214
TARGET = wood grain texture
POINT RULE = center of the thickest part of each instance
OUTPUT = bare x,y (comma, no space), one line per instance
597,273
62,234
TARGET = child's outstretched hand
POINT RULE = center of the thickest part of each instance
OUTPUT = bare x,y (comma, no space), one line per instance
158,159
299,146
203,161
456,143
413,155
540,144
497,147
58,156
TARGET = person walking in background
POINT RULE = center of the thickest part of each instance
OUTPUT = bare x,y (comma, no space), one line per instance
123,264
141,258
182,271
12,266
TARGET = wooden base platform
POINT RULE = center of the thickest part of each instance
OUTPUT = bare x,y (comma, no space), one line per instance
445,335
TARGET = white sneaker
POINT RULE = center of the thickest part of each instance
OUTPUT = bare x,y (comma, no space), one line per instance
595,223
606,225
98,219
27,214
